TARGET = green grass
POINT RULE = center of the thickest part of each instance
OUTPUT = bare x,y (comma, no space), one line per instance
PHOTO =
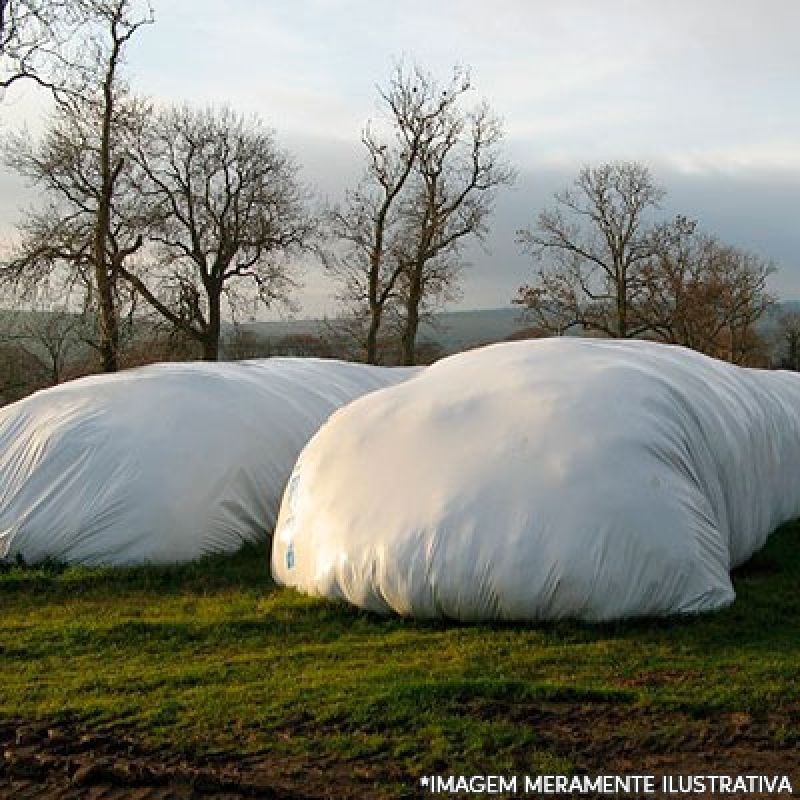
211,657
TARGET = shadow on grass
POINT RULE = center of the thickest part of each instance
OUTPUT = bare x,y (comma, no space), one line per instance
246,568
767,604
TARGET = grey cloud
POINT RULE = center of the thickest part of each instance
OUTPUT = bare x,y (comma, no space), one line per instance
754,211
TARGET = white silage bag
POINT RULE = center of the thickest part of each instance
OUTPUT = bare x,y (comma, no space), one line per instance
537,480
163,463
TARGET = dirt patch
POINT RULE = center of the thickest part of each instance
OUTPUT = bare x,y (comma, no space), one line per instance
627,739
67,763
623,740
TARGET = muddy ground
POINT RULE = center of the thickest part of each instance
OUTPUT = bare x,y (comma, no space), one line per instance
67,762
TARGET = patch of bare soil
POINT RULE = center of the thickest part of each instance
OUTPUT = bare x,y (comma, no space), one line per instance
618,740
66,763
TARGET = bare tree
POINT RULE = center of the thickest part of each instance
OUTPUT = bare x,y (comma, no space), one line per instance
367,223
227,211
43,334
108,253
458,171
81,164
50,338
617,272
398,230
598,237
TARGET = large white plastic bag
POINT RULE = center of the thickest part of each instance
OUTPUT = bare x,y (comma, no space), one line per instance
163,463
545,479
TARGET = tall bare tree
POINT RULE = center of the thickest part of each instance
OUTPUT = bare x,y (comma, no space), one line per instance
227,210
108,253
431,169
592,246
458,171
81,164
368,224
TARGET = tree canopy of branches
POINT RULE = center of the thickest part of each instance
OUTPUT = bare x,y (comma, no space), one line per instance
80,164
608,266
432,171
226,209
34,36
705,294
596,240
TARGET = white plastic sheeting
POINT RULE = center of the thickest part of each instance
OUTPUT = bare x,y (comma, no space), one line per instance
540,480
162,463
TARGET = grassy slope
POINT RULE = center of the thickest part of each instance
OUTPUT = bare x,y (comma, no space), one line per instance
211,657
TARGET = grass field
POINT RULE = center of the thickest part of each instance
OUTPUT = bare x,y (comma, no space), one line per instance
212,663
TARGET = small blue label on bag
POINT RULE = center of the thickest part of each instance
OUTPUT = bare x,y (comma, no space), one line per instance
290,556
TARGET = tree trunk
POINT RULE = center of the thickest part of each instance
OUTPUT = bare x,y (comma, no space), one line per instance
794,350
109,330
212,332
210,349
372,334
622,309
409,337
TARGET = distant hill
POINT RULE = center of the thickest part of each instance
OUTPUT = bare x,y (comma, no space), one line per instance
461,330
449,332
452,331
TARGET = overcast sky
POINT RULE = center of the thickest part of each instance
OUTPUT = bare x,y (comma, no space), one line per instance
707,92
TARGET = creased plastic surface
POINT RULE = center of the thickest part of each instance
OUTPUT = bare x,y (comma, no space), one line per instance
542,480
163,463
